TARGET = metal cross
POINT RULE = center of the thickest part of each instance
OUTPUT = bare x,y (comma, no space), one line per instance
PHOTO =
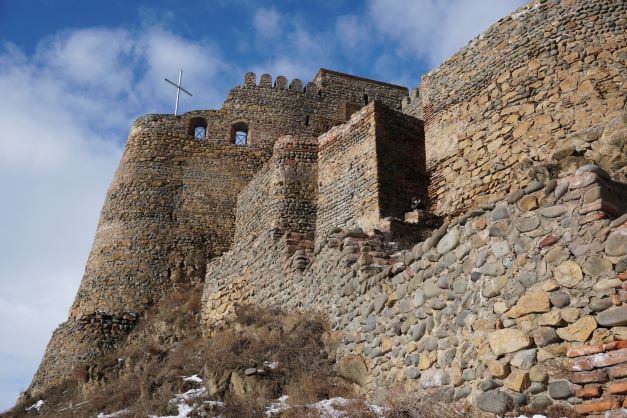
178,91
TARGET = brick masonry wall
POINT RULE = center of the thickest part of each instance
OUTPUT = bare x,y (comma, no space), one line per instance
551,77
597,376
370,168
254,211
401,165
348,180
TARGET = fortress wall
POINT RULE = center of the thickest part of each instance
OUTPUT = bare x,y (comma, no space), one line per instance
282,196
539,86
271,112
340,87
272,109
348,179
255,213
370,168
400,161
487,310
169,208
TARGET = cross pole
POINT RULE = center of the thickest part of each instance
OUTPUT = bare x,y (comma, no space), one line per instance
178,91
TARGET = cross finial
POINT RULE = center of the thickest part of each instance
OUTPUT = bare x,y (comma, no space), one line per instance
178,91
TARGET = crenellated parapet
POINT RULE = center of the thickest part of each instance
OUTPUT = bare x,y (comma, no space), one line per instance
412,104
281,82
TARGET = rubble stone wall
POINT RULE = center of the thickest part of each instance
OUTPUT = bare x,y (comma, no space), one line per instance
542,85
484,310
282,197
339,87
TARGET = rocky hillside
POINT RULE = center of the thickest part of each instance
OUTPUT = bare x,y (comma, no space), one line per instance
266,363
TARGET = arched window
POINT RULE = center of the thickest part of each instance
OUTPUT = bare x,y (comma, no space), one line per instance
239,133
198,128
200,133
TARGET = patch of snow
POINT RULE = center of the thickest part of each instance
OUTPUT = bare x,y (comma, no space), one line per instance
113,414
535,416
277,407
377,410
190,394
213,403
181,400
184,411
327,408
71,406
270,365
194,378
37,405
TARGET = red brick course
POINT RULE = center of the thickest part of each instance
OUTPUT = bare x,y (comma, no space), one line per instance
590,391
600,364
598,360
617,388
618,371
593,376
598,406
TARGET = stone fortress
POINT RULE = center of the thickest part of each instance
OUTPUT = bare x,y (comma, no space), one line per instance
467,238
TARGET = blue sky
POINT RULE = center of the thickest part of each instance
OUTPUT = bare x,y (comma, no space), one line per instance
75,73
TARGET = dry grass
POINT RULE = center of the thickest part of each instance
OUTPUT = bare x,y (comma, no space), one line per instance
552,411
145,373
400,404
293,342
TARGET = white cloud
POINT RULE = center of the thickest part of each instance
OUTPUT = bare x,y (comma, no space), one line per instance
350,31
435,29
267,22
92,58
64,117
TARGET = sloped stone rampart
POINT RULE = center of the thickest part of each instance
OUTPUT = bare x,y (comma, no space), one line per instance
484,310
545,85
